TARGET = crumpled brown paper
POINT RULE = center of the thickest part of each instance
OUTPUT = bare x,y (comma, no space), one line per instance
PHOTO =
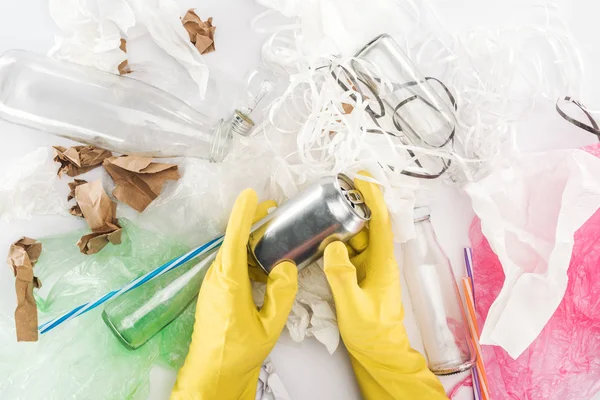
75,210
202,33
138,180
124,66
22,256
100,213
77,160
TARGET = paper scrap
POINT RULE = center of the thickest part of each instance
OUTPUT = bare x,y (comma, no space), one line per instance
202,33
75,210
95,241
124,66
77,160
22,256
99,212
138,180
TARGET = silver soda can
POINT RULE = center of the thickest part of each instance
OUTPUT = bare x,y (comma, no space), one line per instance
329,210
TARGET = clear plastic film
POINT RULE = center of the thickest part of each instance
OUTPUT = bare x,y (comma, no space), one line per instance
28,187
91,32
162,19
106,370
84,359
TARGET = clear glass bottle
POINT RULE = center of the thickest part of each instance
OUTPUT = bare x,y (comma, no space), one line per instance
112,112
404,103
138,315
436,301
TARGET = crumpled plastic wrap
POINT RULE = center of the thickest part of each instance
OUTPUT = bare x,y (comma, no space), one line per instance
27,187
162,19
564,360
196,208
334,26
91,32
530,210
83,359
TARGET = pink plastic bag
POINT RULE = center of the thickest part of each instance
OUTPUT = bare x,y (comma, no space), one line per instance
563,363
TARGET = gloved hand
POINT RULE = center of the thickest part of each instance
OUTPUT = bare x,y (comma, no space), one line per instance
366,291
231,337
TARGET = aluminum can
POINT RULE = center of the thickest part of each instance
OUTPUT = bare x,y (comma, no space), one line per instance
329,210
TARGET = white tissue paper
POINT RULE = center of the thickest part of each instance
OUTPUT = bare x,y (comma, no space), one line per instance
269,385
27,187
529,211
91,32
312,313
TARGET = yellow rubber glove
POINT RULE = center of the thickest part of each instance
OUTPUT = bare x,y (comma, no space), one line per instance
231,337
366,291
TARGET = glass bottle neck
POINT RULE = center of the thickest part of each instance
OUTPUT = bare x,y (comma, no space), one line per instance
426,240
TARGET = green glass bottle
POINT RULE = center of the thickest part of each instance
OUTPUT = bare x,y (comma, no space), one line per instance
143,312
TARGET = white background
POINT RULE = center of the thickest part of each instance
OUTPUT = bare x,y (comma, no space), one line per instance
306,369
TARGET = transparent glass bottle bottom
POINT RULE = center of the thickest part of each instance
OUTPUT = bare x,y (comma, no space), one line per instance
116,332
452,368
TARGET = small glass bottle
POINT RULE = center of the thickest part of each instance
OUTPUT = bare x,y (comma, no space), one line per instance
112,112
138,315
436,301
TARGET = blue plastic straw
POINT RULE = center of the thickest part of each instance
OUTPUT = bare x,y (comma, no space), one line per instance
170,265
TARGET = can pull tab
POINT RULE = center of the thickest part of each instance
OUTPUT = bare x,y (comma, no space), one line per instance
354,197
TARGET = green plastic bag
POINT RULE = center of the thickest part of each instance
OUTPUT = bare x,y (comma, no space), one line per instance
82,359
